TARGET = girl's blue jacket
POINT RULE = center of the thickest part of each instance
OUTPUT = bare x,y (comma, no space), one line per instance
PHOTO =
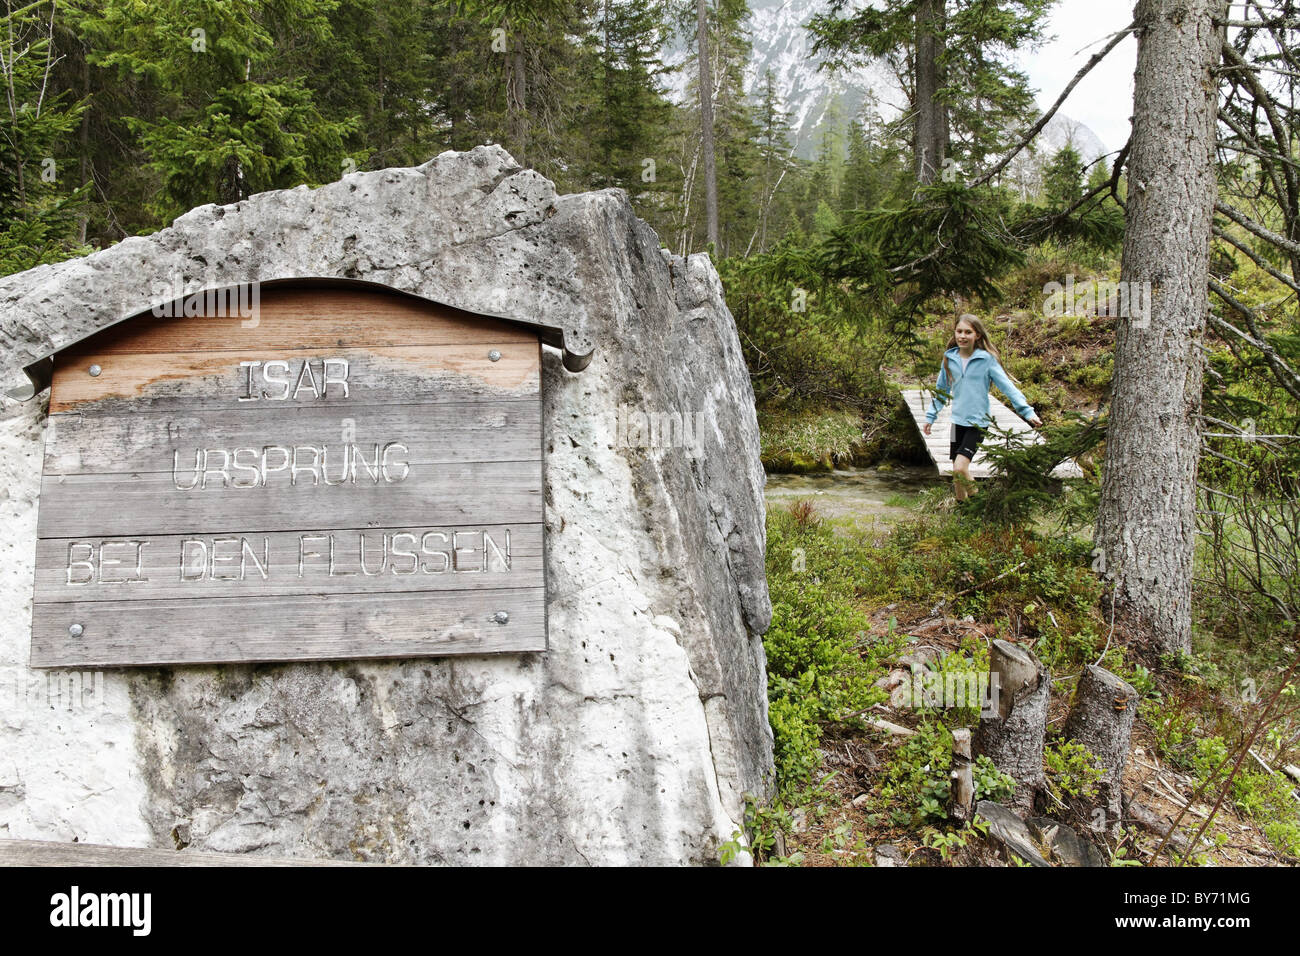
970,391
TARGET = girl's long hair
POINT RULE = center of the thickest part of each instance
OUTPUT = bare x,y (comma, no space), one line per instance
981,341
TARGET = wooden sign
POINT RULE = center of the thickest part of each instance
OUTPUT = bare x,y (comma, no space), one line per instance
347,473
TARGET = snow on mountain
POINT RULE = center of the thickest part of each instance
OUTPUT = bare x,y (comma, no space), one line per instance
783,46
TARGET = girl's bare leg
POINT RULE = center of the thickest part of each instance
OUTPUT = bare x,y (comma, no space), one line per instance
962,485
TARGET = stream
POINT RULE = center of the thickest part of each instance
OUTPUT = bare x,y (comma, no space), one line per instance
853,492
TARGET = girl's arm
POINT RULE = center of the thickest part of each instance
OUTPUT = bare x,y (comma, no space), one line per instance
940,396
1008,388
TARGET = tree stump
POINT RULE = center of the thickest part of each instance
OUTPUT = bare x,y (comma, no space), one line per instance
1101,719
962,798
1012,734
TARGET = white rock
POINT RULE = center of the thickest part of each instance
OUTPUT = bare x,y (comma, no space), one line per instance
629,741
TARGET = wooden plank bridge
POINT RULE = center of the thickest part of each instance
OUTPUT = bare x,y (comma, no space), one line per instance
938,441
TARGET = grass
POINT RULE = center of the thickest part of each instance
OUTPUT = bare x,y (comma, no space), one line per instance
807,440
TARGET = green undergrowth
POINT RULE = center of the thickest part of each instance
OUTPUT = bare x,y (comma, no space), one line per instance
824,657
808,441
821,665
829,581
1198,721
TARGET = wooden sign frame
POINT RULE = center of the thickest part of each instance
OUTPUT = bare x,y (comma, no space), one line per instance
350,473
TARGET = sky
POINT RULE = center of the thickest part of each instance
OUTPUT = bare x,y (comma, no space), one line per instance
1103,101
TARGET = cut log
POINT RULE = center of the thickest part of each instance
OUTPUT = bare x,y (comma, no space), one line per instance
1102,720
1009,834
1012,733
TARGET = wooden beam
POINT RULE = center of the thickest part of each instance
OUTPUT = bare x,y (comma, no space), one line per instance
304,318
192,381
315,627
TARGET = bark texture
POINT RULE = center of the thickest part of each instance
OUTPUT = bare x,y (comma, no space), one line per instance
1102,720
1013,737
930,133
1147,515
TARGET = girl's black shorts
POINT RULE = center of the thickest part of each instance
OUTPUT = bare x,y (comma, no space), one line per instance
966,438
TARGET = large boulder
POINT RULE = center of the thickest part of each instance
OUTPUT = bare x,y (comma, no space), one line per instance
631,740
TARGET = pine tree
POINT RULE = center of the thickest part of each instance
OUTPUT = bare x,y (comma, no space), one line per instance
874,173
777,161
822,190
964,93
39,194
1147,516
232,114
630,113
1063,178
735,134
375,64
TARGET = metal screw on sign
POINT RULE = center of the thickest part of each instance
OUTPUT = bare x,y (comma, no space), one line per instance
501,617
95,370
76,630
494,356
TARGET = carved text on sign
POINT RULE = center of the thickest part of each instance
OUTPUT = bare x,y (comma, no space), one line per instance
352,464
317,554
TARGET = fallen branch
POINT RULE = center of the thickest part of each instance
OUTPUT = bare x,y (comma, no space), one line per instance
1043,120
934,611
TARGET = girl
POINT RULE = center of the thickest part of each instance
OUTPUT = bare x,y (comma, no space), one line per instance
969,365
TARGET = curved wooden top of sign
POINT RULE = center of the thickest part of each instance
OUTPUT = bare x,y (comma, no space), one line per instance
351,312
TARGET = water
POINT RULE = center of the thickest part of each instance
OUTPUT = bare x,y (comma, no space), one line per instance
853,492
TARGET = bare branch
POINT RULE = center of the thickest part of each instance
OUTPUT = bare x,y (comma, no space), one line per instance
1034,130
1241,219
1257,259
1284,374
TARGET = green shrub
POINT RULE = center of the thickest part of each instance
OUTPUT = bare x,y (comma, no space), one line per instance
821,667
1072,769
807,441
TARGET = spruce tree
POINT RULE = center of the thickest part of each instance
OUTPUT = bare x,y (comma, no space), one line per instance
232,114
1063,178
965,93
39,187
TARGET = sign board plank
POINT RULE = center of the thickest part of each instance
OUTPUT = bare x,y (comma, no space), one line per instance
370,560
208,380
355,475
464,432
150,503
305,318
48,853
307,627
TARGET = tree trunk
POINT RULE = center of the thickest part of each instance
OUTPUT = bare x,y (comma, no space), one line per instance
1101,719
706,120
517,102
83,162
930,133
1013,736
1146,519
